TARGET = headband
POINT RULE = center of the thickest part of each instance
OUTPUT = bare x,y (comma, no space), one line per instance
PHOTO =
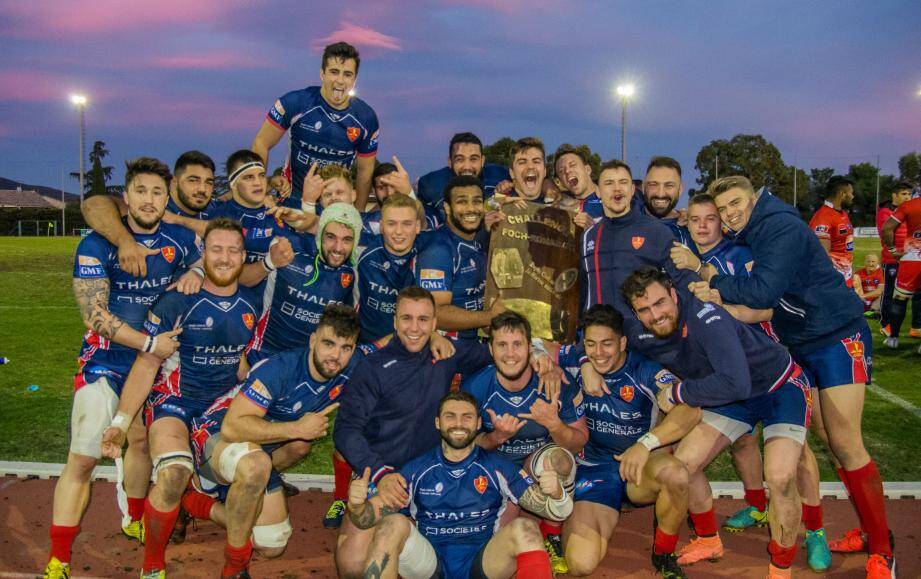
244,168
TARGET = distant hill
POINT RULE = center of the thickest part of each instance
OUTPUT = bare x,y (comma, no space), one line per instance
49,192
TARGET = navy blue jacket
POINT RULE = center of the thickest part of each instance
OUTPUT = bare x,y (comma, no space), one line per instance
793,275
431,186
387,414
718,358
613,248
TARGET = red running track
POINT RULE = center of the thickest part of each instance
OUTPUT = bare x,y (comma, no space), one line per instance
102,551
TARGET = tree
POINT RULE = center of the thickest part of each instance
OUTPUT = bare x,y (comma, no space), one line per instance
818,178
750,155
864,175
499,151
98,175
910,167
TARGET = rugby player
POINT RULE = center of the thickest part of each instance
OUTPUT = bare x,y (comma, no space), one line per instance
216,325
528,170
453,265
908,280
900,194
868,283
519,423
455,494
740,376
326,125
192,186
113,304
285,400
386,413
821,321
620,459
662,188
832,225
465,157
390,178
727,258
573,174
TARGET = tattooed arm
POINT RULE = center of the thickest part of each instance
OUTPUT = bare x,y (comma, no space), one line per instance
364,512
92,297
547,498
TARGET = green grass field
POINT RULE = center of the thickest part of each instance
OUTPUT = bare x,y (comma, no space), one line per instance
40,331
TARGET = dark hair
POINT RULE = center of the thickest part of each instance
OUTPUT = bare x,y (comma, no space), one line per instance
614,164
524,144
146,166
701,199
341,319
223,224
458,181
509,320
666,162
603,315
383,169
343,51
458,396
635,285
241,157
567,149
414,292
903,185
192,158
837,184
464,139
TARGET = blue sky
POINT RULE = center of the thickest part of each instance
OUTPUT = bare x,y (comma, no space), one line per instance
830,83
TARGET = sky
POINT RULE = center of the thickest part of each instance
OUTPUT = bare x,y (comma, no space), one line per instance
829,82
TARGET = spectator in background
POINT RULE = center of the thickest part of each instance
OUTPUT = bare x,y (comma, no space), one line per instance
868,283
900,194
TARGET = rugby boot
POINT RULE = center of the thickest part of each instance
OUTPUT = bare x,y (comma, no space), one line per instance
667,566
244,574
56,570
553,544
154,574
880,567
778,573
853,541
745,518
334,514
135,530
700,548
289,489
914,333
885,330
891,343
177,537
817,553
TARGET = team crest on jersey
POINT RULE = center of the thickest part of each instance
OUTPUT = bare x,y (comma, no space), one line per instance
626,393
854,349
480,483
169,253
749,265
353,133
684,331
334,393
638,241
345,279
249,320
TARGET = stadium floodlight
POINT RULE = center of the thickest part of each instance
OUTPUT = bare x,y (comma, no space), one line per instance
625,91
80,101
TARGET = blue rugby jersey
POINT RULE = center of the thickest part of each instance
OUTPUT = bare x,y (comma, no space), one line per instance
431,186
129,297
461,502
485,387
258,227
682,233
203,214
718,358
453,264
295,296
321,134
215,332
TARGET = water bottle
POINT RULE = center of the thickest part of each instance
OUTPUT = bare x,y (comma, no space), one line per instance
4,360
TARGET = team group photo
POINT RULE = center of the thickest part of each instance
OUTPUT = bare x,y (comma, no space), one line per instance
463,290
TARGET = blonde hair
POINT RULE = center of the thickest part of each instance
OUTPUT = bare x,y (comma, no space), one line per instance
401,200
726,183
336,172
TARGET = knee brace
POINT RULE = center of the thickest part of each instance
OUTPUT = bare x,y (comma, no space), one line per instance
417,559
181,458
273,536
227,465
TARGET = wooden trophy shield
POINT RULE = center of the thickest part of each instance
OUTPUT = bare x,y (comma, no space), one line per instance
534,268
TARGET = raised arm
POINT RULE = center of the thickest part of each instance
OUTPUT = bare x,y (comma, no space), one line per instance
268,136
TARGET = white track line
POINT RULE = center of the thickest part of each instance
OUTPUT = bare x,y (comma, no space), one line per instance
897,400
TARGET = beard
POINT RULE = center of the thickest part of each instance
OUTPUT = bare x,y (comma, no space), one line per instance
517,375
665,333
660,213
321,370
463,228
458,444
221,278
143,220
191,202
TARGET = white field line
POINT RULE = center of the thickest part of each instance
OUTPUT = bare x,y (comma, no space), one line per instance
897,400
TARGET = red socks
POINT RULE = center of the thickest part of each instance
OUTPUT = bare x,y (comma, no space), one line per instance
62,539
135,508
198,505
533,565
866,488
704,523
812,516
157,528
342,476
664,543
236,559
781,556
756,498
550,528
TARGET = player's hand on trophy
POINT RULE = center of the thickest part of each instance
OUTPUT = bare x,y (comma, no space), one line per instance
493,217
497,307
583,220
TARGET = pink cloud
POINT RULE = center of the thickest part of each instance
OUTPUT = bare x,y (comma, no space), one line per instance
361,36
211,61
508,6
